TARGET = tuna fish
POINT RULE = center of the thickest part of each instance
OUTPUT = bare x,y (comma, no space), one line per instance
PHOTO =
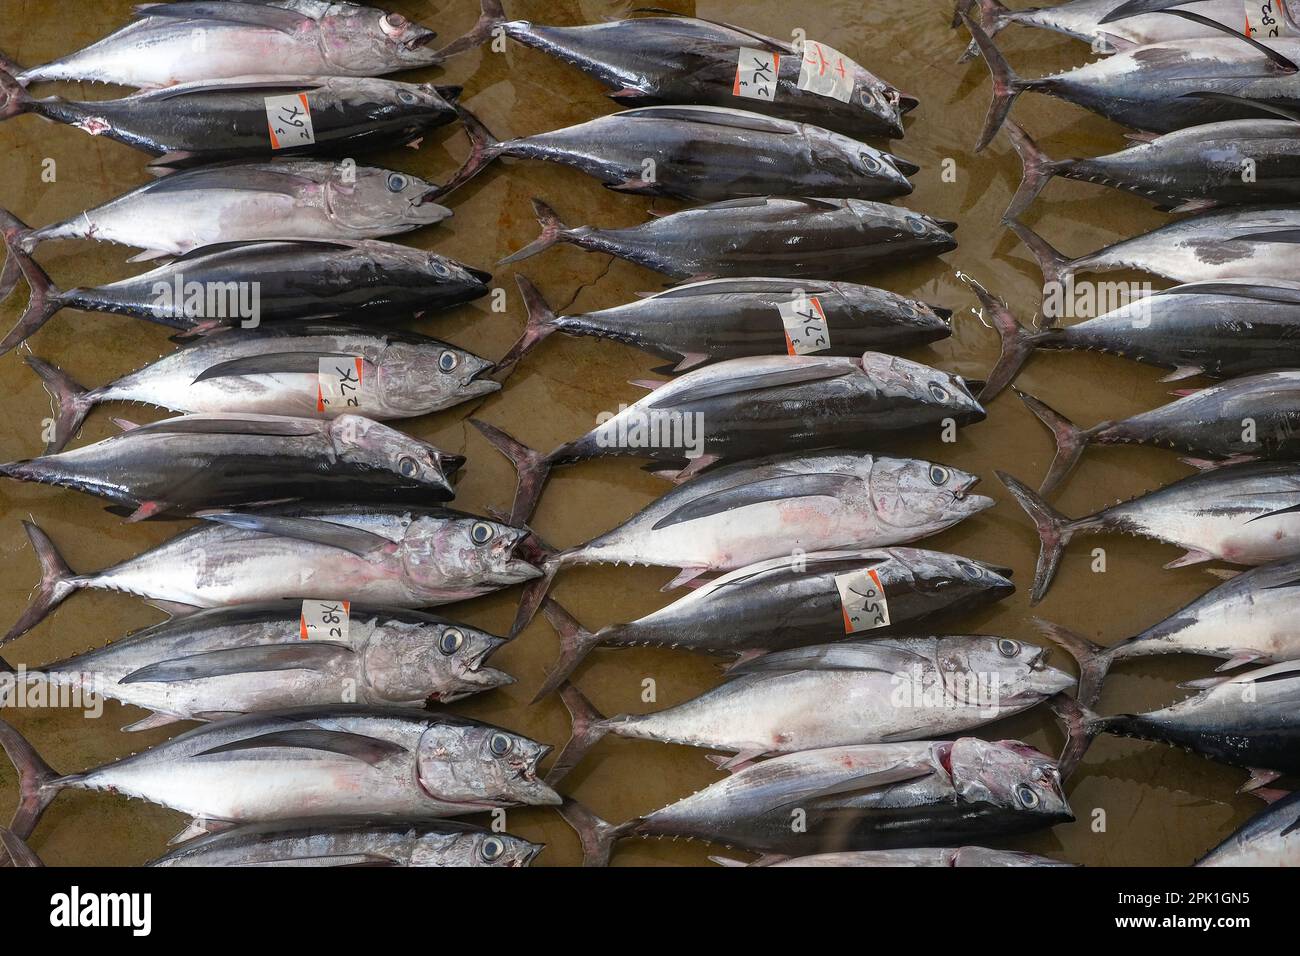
386,555
921,856
380,763
790,601
720,319
176,466
1189,170
765,236
1245,721
701,153
811,401
214,120
737,515
883,690
1270,838
1248,619
1231,327
1242,514
177,42
225,661
275,369
243,202
264,281
1246,419
1162,86
671,59
869,797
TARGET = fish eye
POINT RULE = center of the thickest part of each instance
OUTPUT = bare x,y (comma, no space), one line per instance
916,225
972,571
939,392
939,475
908,309
500,745
869,161
1027,796
407,97
439,268
492,849
451,641
448,361
1008,647
393,24
408,467
396,182
481,533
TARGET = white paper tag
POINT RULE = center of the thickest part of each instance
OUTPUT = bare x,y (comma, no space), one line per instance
325,620
756,73
1264,19
862,599
826,71
805,325
289,120
339,382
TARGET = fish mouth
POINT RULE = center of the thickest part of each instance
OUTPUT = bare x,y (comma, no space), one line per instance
421,39
479,274
450,464
905,166
906,102
942,313
947,225
533,851
424,210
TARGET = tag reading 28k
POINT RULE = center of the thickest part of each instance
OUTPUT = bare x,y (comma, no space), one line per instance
862,599
325,620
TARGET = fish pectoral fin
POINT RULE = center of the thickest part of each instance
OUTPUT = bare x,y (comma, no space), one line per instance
354,540
149,255
783,488
1183,371
634,185
124,424
1258,778
371,750
774,378
685,578
268,364
173,608
737,761
1239,658
1191,556
860,783
198,827
152,722
350,860
1195,205
302,655
147,510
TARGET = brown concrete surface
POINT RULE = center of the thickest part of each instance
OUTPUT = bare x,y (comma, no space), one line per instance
1162,807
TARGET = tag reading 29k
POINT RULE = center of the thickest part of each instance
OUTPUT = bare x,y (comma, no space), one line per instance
862,599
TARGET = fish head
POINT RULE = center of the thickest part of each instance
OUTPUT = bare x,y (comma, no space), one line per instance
944,394
849,160
913,314
370,446
381,200
1009,775
915,230
958,581
471,282
482,766
473,847
416,660
1010,672
365,41
922,496
875,97
466,551
416,378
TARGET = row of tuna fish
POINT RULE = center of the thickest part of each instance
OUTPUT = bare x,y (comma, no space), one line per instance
280,453
1209,101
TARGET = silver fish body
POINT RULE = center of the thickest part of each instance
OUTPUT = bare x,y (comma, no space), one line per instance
178,42
238,660
960,856
1270,838
372,762
274,369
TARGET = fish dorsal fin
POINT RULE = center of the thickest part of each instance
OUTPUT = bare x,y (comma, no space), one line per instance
716,116
300,655
741,287
1283,63
250,14
769,42
371,750
1246,101
783,488
315,531
815,371
846,656
214,424
268,363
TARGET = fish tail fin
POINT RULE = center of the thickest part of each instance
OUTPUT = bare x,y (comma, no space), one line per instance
1081,727
575,643
1093,659
20,854
1054,265
1006,85
589,726
596,835
553,231
541,323
482,151
38,783
14,98
72,402
1017,342
13,68
993,18
1071,440
15,233
532,468
57,582
46,298
535,592
1038,167
493,15
1054,533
